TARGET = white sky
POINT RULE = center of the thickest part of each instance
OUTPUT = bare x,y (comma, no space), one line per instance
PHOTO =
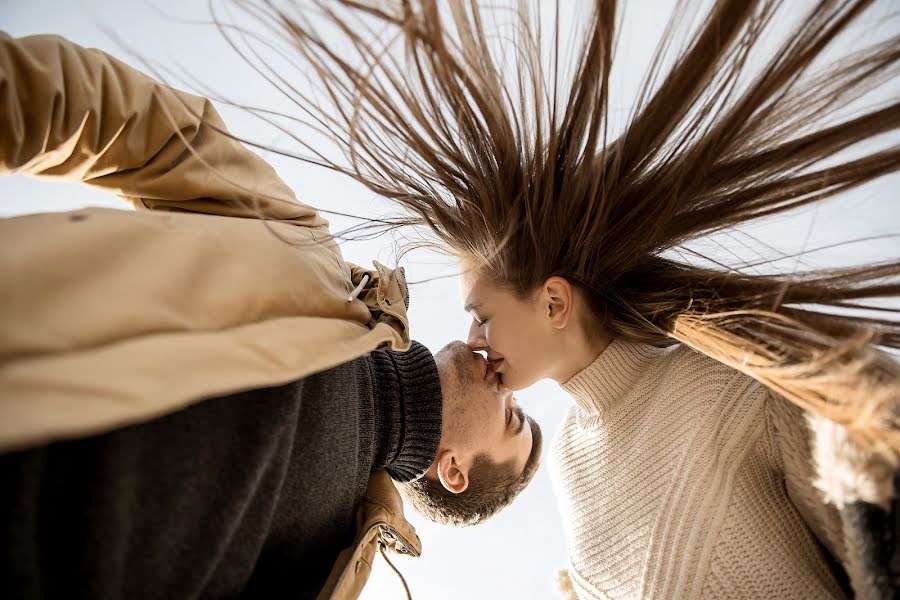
515,554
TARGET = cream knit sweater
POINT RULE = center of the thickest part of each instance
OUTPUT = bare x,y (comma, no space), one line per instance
669,472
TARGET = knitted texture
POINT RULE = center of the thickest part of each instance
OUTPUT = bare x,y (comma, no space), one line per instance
409,388
669,479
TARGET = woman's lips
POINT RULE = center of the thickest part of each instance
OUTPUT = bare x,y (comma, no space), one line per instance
494,367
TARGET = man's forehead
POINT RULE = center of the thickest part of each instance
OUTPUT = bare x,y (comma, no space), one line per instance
525,441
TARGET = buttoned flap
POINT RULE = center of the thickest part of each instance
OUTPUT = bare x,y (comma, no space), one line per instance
379,522
392,289
383,507
354,565
385,294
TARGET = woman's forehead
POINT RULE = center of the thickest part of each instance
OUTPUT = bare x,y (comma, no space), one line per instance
471,288
475,284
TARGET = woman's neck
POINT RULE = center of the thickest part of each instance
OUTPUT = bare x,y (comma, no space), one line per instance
579,352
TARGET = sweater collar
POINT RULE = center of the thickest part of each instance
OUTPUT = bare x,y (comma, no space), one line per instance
407,411
618,368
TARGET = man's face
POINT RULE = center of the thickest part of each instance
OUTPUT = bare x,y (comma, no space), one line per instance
480,414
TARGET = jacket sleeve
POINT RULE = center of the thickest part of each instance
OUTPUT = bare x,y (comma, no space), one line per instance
77,114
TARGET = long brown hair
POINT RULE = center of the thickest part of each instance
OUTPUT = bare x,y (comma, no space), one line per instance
512,167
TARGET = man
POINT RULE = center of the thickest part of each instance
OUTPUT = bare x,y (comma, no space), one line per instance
256,492
134,454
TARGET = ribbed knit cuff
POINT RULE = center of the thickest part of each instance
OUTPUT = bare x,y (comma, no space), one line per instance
419,386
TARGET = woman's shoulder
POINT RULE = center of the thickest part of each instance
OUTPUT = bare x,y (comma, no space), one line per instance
706,374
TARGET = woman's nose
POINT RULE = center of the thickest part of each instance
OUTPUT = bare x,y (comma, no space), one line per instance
476,339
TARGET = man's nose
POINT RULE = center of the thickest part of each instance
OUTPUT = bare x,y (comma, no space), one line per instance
476,339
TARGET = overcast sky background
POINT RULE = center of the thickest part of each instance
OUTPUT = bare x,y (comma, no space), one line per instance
515,554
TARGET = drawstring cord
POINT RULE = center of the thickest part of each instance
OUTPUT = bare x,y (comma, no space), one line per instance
396,570
358,289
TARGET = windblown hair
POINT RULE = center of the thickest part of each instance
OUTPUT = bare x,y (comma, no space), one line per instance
509,161
492,487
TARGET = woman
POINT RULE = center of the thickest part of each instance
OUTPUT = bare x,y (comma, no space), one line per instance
708,398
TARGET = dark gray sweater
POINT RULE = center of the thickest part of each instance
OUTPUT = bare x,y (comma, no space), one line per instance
252,493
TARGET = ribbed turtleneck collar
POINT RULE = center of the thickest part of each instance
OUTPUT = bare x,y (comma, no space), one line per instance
619,367
407,411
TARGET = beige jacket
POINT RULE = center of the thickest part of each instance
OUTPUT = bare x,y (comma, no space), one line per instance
220,280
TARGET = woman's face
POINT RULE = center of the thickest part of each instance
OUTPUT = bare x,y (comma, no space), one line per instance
514,331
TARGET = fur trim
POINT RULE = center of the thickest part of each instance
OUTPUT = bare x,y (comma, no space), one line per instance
564,586
874,567
847,473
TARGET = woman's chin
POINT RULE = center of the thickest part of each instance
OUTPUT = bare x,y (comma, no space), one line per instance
507,383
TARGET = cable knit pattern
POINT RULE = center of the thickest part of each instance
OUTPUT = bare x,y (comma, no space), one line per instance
669,482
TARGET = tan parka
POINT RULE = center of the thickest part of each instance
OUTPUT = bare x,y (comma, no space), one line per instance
220,281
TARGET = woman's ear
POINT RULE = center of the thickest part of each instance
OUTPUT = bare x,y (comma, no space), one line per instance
452,475
557,300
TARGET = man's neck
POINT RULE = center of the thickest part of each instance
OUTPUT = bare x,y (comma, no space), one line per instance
406,411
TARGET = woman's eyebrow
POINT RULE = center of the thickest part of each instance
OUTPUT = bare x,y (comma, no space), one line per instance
470,306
